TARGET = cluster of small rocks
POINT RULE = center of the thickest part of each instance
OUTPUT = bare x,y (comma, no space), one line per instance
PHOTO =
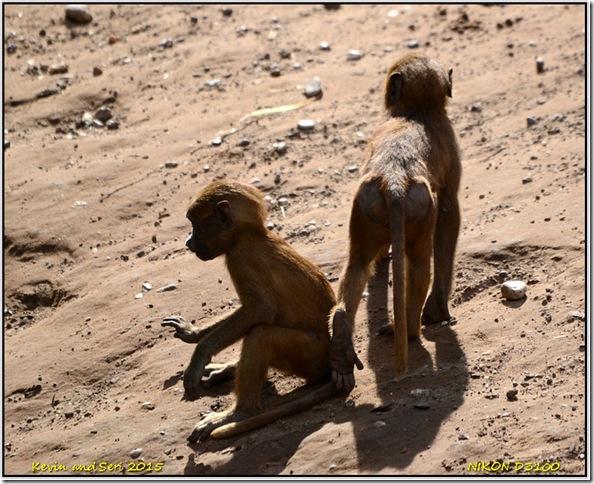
35,69
147,287
103,117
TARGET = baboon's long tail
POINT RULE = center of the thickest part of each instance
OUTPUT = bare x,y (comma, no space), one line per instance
397,222
287,409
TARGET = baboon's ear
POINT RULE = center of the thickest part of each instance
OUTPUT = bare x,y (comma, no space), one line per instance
450,72
395,87
223,211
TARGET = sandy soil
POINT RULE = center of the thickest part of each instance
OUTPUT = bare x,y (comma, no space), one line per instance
91,214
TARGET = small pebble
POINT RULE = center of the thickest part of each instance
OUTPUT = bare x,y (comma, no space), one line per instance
306,125
171,164
513,290
112,124
103,114
168,287
227,11
79,14
353,169
512,395
422,405
87,119
275,70
166,44
213,83
313,88
577,315
412,44
421,398
476,107
148,406
97,71
539,65
146,286
324,46
58,69
280,148
135,453
217,141
354,55
6,144
531,120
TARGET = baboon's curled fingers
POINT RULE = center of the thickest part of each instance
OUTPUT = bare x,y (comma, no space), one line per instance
342,353
193,375
183,330
215,374
343,376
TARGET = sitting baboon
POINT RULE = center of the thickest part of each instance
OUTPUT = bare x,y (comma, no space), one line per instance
283,317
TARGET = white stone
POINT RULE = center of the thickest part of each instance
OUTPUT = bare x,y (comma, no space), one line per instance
513,290
306,125
354,55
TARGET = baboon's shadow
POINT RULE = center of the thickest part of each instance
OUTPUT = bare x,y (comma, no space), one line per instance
408,430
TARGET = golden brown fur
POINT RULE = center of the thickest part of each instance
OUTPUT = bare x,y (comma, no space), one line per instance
407,197
285,301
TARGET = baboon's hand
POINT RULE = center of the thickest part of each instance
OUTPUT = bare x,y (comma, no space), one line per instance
342,360
342,354
183,330
194,372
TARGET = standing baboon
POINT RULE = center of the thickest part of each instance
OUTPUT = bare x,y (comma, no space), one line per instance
283,318
407,197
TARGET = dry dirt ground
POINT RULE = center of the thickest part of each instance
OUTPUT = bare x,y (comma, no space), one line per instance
91,214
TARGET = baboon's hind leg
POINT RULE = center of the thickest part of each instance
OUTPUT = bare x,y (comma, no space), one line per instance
420,226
